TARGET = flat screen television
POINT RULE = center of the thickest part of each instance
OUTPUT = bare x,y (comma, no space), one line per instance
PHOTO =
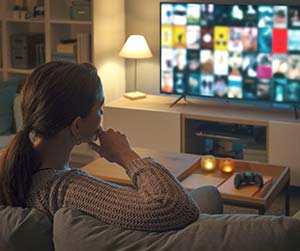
244,52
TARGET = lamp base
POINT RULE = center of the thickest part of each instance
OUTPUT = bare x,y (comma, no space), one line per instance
134,95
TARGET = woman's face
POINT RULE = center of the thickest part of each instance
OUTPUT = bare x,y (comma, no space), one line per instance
91,123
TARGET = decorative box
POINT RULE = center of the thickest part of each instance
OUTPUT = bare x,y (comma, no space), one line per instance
80,10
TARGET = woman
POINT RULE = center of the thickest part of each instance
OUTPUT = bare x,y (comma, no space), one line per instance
61,105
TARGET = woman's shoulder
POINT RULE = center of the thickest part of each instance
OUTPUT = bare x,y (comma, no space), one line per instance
43,176
51,172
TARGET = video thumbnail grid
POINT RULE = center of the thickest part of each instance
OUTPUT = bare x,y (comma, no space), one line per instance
231,51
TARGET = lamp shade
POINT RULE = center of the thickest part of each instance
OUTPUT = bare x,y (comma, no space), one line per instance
135,47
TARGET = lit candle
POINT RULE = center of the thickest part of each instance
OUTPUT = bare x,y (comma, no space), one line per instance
226,165
208,163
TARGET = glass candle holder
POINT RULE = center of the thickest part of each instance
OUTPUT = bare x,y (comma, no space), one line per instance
226,165
208,163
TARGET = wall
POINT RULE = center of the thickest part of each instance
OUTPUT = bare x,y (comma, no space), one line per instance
108,37
109,34
142,17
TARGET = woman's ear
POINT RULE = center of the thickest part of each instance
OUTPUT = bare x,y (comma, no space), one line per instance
75,126
75,131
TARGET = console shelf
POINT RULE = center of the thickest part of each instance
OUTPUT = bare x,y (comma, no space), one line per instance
225,139
151,123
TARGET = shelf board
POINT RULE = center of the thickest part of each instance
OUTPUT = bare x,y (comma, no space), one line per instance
12,20
69,21
20,71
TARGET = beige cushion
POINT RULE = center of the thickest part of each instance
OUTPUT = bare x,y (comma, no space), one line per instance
5,140
73,230
297,216
24,229
17,113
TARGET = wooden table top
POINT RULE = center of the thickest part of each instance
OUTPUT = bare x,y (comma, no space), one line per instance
181,165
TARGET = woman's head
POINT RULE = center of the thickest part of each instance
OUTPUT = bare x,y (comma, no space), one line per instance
58,93
57,96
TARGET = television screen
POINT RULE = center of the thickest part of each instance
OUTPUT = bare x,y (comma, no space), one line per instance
231,51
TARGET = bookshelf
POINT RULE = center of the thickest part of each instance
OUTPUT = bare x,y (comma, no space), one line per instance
12,20
56,25
66,21
19,71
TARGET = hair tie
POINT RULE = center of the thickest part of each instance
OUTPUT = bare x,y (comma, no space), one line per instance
30,132
31,136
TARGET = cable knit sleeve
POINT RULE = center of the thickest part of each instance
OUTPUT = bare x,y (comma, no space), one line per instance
155,202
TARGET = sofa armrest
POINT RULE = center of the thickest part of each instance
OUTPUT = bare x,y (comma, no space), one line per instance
24,229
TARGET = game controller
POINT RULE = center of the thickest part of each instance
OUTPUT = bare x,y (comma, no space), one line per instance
248,178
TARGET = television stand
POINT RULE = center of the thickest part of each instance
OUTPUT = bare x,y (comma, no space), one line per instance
168,128
177,100
296,108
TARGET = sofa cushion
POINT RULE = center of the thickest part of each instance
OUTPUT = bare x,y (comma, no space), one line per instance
17,113
5,140
24,229
74,230
297,215
8,91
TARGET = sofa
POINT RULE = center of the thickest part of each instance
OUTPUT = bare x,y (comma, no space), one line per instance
73,230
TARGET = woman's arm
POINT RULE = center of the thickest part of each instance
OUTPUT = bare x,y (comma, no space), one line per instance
155,201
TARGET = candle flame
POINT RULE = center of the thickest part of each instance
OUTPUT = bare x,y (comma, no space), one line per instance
227,169
208,163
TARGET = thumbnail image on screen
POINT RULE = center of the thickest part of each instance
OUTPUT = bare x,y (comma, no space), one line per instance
231,51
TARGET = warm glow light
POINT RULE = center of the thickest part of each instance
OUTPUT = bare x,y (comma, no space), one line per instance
226,165
135,47
208,163
227,169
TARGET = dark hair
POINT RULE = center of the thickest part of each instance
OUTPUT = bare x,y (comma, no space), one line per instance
52,97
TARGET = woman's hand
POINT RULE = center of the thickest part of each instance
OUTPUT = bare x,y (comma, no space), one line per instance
114,147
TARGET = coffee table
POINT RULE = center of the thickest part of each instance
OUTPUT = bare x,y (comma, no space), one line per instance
181,165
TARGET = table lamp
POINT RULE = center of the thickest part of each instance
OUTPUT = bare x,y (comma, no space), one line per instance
135,48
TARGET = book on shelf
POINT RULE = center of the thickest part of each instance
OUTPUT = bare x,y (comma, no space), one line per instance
67,47
39,53
83,47
62,56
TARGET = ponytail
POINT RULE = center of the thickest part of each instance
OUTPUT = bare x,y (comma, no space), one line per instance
18,163
51,86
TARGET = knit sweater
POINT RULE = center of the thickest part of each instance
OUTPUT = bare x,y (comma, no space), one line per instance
154,202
